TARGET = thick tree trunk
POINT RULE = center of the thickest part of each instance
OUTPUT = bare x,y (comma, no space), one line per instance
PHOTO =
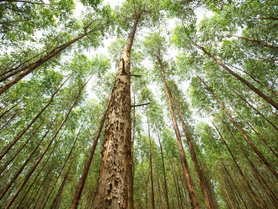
163,166
248,140
33,121
115,176
151,166
189,182
245,82
256,41
84,175
45,150
194,159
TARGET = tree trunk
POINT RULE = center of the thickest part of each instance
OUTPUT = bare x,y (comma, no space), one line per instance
27,192
255,110
28,159
194,159
83,177
151,166
238,167
31,67
45,201
18,151
45,150
256,80
248,140
245,82
32,122
254,40
163,166
189,183
60,189
115,176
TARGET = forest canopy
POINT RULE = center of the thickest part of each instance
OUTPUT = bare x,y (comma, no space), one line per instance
139,104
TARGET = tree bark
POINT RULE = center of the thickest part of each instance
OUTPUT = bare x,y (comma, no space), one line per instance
115,176
189,184
163,166
83,177
151,166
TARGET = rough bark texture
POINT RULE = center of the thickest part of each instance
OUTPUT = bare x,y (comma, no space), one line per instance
115,176
189,184
83,177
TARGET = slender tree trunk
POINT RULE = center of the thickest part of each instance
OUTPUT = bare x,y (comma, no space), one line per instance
32,66
237,165
256,80
163,166
234,185
255,109
44,151
1,116
32,122
261,138
254,40
18,151
151,167
58,195
86,169
189,184
28,159
245,82
175,176
194,159
114,188
7,123
249,161
27,191
54,184
248,140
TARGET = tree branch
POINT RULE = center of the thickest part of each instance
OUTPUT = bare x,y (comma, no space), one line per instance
140,105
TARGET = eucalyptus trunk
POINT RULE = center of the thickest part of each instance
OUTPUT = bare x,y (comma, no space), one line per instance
189,183
114,187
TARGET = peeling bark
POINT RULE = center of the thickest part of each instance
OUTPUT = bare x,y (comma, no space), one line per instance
115,176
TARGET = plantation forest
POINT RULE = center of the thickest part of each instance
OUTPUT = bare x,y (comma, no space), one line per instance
139,104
